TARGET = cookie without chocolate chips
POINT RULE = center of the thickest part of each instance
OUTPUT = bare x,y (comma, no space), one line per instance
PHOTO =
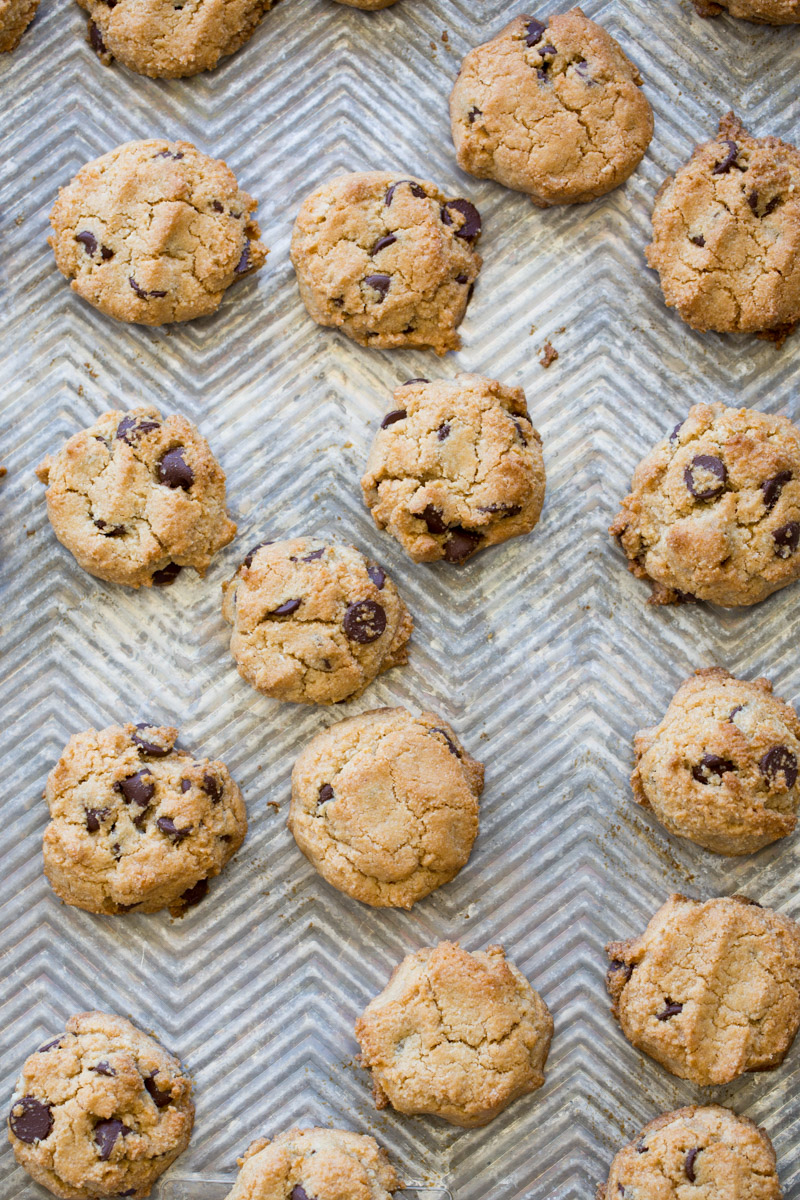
137,497
315,1163
136,824
553,108
15,17
726,235
711,989
101,1110
390,261
455,467
721,767
714,509
313,622
455,1035
724,1155
155,232
385,805
763,12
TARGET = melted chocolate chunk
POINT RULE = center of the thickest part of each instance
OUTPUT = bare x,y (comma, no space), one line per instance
142,293
382,243
451,746
30,1119
706,477
503,510
106,1134
688,1166
212,787
94,817
110,530
472,218
432,517
166,575
786,539
460,545
621,968
313,556
196,893
161,1099
408,382
473,113
698,239
169,154
729,160
377,575
771,489
325,794
391,418
88,241
146,746
711,765
137,789
299,1193
130,429
174,471
96,39
364,622
671,1009
286,609
779,761
248,558
443,432
534,32
244,262
49,1045
380,283
103,1068
416,190
168,826
673,437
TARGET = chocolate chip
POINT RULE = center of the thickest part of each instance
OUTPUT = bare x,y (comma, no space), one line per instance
711,765
298,1193
771,489
734,711
285,609
443,432
460,545
94,816
399,414
408,382
640,1147
248,558
473,113
154,749
30,1120
141,292
416,190
786,539
110,530
621,968
325,794
462,279
244,262
520,432
166,575
106,1134
503,510
197,892
169,154
106,253
671,1009
696,477
212,787
535,32
117,852
689,1164
161,1099
729,160
49,1046
433,519
174,471
377,575
137,789
779,761
88,241
541,72
388,240
168,826
451,746
130,429
96,39
472,218
769,207
380,283
698,239
217,207
186,785
673,437
364,621
548,50
313,556
103,1068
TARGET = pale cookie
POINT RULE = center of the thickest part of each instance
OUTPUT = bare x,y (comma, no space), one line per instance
763,12
15,17
721,767
155,232
710,989
136,824
552,108
714,509
726,235
137,497
385,805
706,1151
387,259
456,1035
455,467
315,1164
313,622
100,1111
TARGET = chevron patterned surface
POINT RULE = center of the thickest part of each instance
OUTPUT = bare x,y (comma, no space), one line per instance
542,654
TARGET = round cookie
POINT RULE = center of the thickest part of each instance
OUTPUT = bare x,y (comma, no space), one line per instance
315,1164
136,497
723,1155
456,1035
711,989
763,12
390,261
15,17
721,767
552,108
100,1111
726,235
455,467
313,622
136,824
714,509
385,805
154,232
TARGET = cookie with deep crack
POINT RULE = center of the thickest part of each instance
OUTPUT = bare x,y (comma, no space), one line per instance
763,12
553,108
315,1164
711,989
102,1110
387,259
137,497
15,17
455,1035
455,467
714,509
155,232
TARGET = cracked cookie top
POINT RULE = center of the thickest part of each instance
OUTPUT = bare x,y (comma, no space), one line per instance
456,466
763,12
456,1035
315,1164
711,989
387,259
154,232
714,510
553,108
137,497
385,805
726,235
100,1111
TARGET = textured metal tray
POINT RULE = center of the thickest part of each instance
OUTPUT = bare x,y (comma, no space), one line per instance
542,654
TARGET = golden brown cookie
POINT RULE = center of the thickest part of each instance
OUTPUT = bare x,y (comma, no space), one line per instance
763,12
315,1164
15,17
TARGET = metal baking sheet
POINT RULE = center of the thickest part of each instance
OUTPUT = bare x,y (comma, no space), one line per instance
542,653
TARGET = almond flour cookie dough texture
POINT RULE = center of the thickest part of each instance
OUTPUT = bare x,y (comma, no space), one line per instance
710,1148
455,467
764,12
726,235
385,805
710,989
714,509
315,1164
137,824
155,232
390,261
721,768
456,1035
314,623
100,1111
135,498
15,17
553,108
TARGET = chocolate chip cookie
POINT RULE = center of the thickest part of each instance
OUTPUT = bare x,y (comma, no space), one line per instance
711,989
763,12
721,767
101,1110
388,260
137,497
385,805
155,232
311,1164
706,1147
714,509
313,622
551,107
456,1035
15,17
726,235
456,466
137,824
